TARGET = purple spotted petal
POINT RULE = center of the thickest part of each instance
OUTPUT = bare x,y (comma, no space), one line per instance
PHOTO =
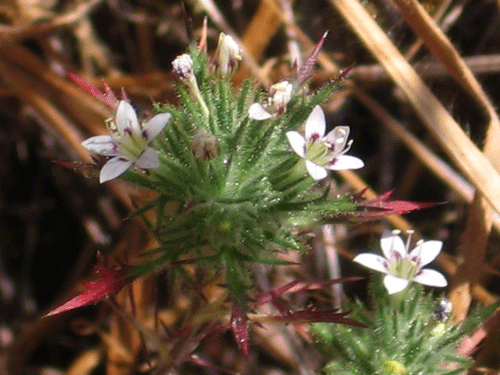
126,119
373,261
426,252
154,126
431,278
315,125
113,168
392,246
343,162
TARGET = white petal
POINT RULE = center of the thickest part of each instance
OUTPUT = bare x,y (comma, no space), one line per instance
126,118
373,261
154,126
297,142
431,278
338,137
114,168
346,162
395,284
427,252
390,244
101,144
148,159
317,172
315,123
257,112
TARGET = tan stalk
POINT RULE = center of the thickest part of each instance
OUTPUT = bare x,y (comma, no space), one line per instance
474,241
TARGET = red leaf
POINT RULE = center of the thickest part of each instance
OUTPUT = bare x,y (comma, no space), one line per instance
239,326
311,316
305,71
380,206
297,286
375,209
108,97
111,282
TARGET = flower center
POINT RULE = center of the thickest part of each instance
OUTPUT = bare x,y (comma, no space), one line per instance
403,268
132,145
319,152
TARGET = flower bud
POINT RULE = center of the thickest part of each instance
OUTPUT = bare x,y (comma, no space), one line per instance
204,145
226,56
281,93
183,67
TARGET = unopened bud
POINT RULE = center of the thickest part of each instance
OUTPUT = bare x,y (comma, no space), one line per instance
183,67
204,145
281,93
226,56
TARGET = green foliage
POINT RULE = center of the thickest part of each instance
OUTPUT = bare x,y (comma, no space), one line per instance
236,205
403,337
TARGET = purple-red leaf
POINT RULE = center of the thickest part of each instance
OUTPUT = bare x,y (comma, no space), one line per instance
239,326
297,286
108,97
305,71
377,208
380,206
312,316
110,283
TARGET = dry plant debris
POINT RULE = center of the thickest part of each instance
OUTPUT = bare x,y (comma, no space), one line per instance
420,98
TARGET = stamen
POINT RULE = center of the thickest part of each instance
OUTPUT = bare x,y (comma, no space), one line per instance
409,232
396,232
347,147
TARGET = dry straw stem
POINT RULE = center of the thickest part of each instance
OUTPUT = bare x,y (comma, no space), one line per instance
449,134
323,58
9,34
24,87
440,168
458,146
479,219
374,74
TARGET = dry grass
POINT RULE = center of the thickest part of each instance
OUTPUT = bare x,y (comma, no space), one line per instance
410,97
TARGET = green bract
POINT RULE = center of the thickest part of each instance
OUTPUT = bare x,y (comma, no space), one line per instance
405,336
230,187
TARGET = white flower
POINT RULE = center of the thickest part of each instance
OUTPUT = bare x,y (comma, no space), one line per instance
401,266
281,93
323,152
127,142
